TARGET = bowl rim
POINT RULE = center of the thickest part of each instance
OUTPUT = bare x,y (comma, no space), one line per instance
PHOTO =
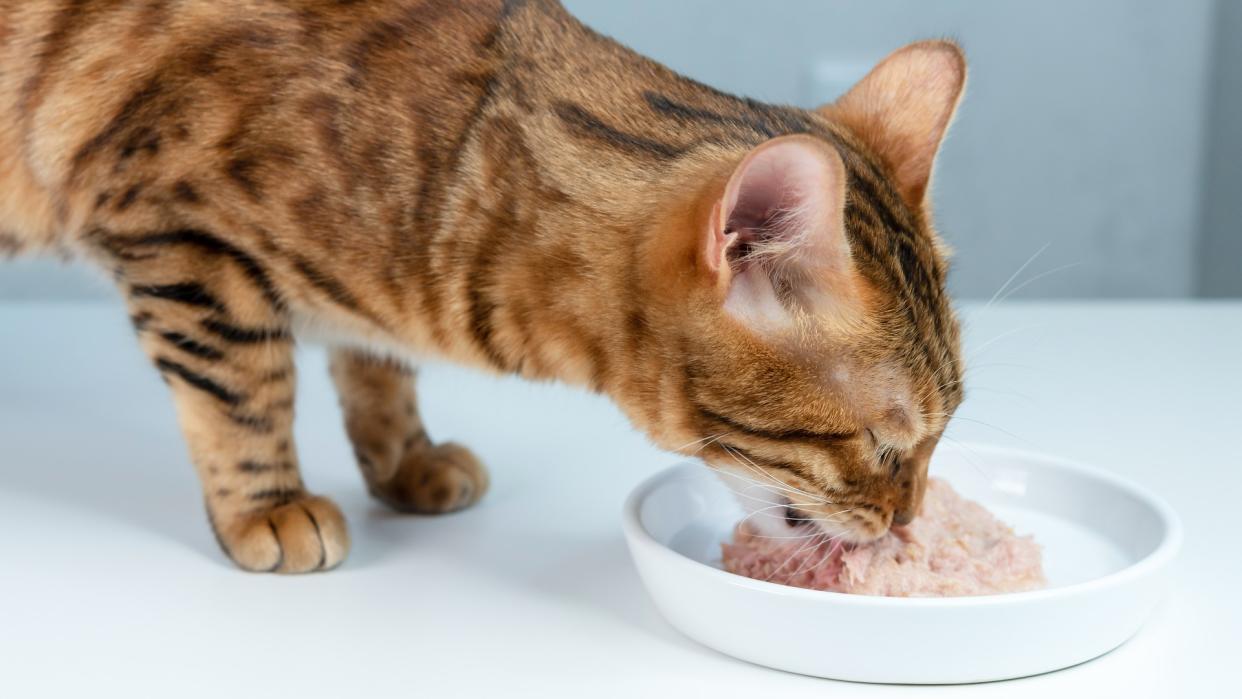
1165,551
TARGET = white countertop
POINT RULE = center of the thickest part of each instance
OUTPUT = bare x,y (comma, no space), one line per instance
111,583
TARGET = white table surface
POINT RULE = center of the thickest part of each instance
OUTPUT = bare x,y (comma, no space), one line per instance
111,584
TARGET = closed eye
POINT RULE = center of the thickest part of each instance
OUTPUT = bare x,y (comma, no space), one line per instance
889,457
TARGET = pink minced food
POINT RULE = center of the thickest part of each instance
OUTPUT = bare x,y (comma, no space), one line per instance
955,547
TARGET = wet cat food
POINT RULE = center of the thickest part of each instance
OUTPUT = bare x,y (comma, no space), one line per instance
955,547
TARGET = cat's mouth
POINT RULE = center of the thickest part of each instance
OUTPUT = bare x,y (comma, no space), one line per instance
778,510
829,522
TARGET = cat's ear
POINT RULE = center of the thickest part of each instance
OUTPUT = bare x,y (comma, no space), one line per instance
776,236
903,108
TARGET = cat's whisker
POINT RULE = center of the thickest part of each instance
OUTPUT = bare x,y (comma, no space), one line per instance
745,462
775,485
703,442
831,519
764,511
1039,276
714,440
1015,275
811,555
836,544
978,350
790,537
1006,365
833,543
1005,392
816,551
973,458
989,425
770,503
989,365
791,557
780,492
824,518
794,554
756,468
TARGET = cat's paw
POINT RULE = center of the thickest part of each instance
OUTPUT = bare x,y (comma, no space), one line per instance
437,479
301,536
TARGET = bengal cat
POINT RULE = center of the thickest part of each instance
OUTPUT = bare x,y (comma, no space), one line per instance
493,183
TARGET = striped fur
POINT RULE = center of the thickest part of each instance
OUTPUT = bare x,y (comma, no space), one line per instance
485,181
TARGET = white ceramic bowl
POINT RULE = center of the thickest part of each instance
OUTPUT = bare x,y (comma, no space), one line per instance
1107,549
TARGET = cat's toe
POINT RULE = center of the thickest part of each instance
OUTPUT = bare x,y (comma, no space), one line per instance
302,536
442,478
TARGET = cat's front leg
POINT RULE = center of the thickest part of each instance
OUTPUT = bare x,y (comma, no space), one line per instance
219,337
402,466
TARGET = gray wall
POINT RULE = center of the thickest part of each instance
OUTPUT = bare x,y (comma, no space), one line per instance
39,279
1083,129
1221,246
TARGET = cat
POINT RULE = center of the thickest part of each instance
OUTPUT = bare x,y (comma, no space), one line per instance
493,183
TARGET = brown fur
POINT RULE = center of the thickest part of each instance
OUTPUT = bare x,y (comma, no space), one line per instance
485,181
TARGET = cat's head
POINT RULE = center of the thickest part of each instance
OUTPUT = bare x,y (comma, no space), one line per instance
822,360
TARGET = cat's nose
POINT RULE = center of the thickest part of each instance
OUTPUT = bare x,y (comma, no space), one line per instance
903,516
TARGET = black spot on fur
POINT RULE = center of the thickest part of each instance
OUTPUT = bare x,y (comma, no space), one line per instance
184,192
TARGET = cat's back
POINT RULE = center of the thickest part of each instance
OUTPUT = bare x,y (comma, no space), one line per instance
138,93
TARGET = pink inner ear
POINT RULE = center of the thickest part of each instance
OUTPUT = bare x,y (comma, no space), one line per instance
779,182
777,232
783,201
